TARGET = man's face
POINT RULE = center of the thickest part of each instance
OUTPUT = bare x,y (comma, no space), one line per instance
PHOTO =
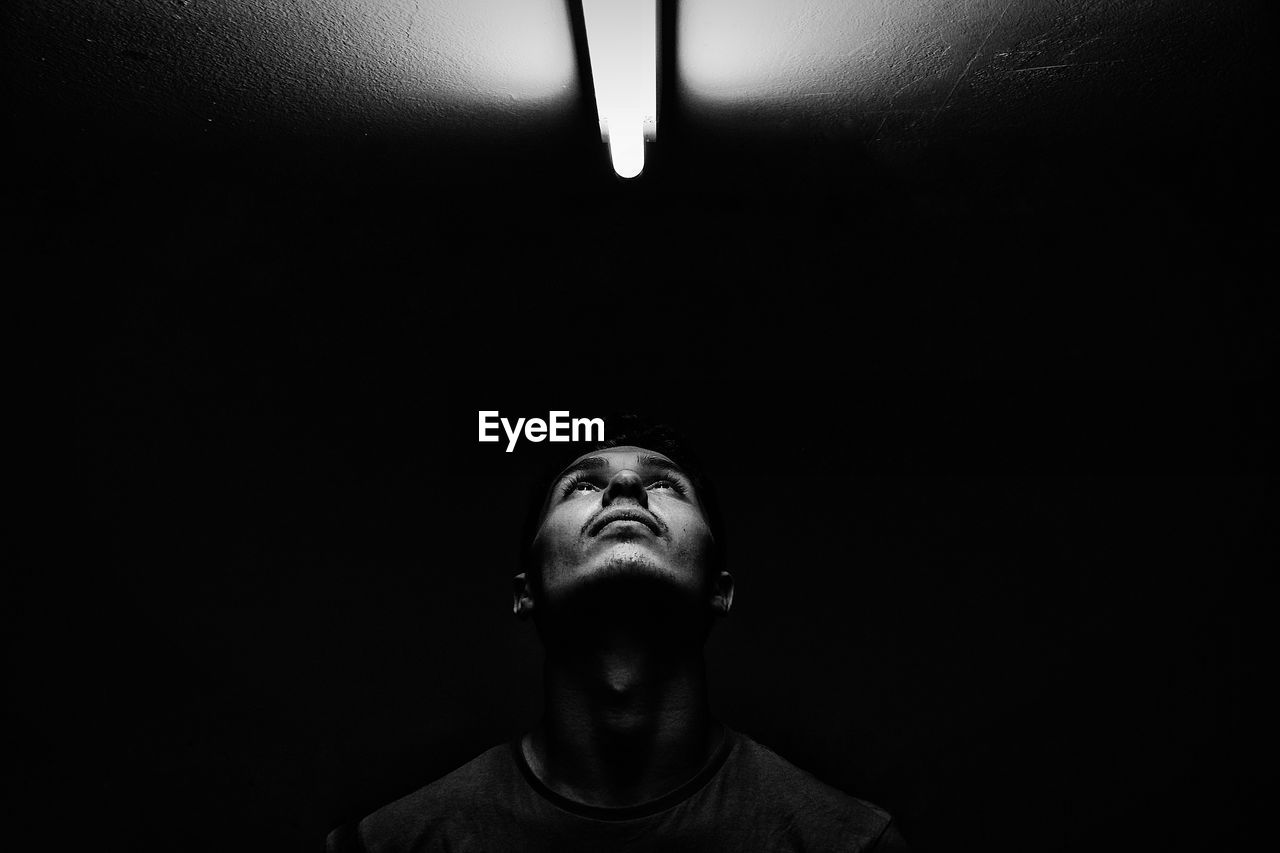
624,510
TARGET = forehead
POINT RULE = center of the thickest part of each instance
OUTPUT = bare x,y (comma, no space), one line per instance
619,458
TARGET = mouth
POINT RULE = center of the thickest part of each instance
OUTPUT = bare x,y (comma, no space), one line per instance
624,515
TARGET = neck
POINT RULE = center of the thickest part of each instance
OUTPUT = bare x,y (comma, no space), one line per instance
626,719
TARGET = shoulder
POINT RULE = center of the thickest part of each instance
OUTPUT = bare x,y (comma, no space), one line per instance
809,809
431,810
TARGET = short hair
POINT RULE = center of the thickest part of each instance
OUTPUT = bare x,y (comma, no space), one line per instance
633,430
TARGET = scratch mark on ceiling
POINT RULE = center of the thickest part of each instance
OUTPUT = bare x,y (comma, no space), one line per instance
1066,65
973,59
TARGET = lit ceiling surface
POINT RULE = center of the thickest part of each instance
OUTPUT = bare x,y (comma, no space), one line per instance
876,69
884,67
430,65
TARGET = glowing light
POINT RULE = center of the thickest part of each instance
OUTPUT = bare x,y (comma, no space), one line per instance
463,58
622,42
626,148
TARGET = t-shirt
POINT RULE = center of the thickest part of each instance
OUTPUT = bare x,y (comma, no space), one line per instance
745,798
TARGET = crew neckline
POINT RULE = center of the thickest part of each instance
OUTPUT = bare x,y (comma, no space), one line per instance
673,797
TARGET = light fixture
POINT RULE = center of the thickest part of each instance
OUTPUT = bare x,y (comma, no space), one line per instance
622,43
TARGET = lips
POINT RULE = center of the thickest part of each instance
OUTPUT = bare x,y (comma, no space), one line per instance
625,514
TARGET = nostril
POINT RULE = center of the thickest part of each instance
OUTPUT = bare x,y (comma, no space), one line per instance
626,483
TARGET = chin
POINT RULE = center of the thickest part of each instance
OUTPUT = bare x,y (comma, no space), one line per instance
626,563
633,568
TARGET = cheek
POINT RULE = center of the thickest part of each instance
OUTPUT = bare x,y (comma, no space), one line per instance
693,541
559,555
557,540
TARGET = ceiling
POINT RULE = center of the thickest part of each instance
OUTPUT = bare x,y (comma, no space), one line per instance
1070,153
883,72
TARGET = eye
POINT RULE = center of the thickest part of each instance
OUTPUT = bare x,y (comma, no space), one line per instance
668,483
577,482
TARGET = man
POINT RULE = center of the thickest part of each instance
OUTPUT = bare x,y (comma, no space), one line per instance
623,578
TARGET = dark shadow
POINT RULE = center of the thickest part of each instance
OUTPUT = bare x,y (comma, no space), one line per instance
668,74
586,83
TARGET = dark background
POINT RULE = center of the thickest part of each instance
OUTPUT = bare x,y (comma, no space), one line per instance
269,589
1018,617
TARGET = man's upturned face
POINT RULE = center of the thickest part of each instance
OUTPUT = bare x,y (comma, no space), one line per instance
623,510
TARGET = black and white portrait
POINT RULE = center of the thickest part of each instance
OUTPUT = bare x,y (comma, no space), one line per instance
481,425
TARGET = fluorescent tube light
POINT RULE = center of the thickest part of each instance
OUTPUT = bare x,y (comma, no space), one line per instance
622,43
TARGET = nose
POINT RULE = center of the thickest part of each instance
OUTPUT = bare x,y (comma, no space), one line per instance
625,484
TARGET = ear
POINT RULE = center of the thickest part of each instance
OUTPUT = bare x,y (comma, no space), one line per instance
521,596
722,596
